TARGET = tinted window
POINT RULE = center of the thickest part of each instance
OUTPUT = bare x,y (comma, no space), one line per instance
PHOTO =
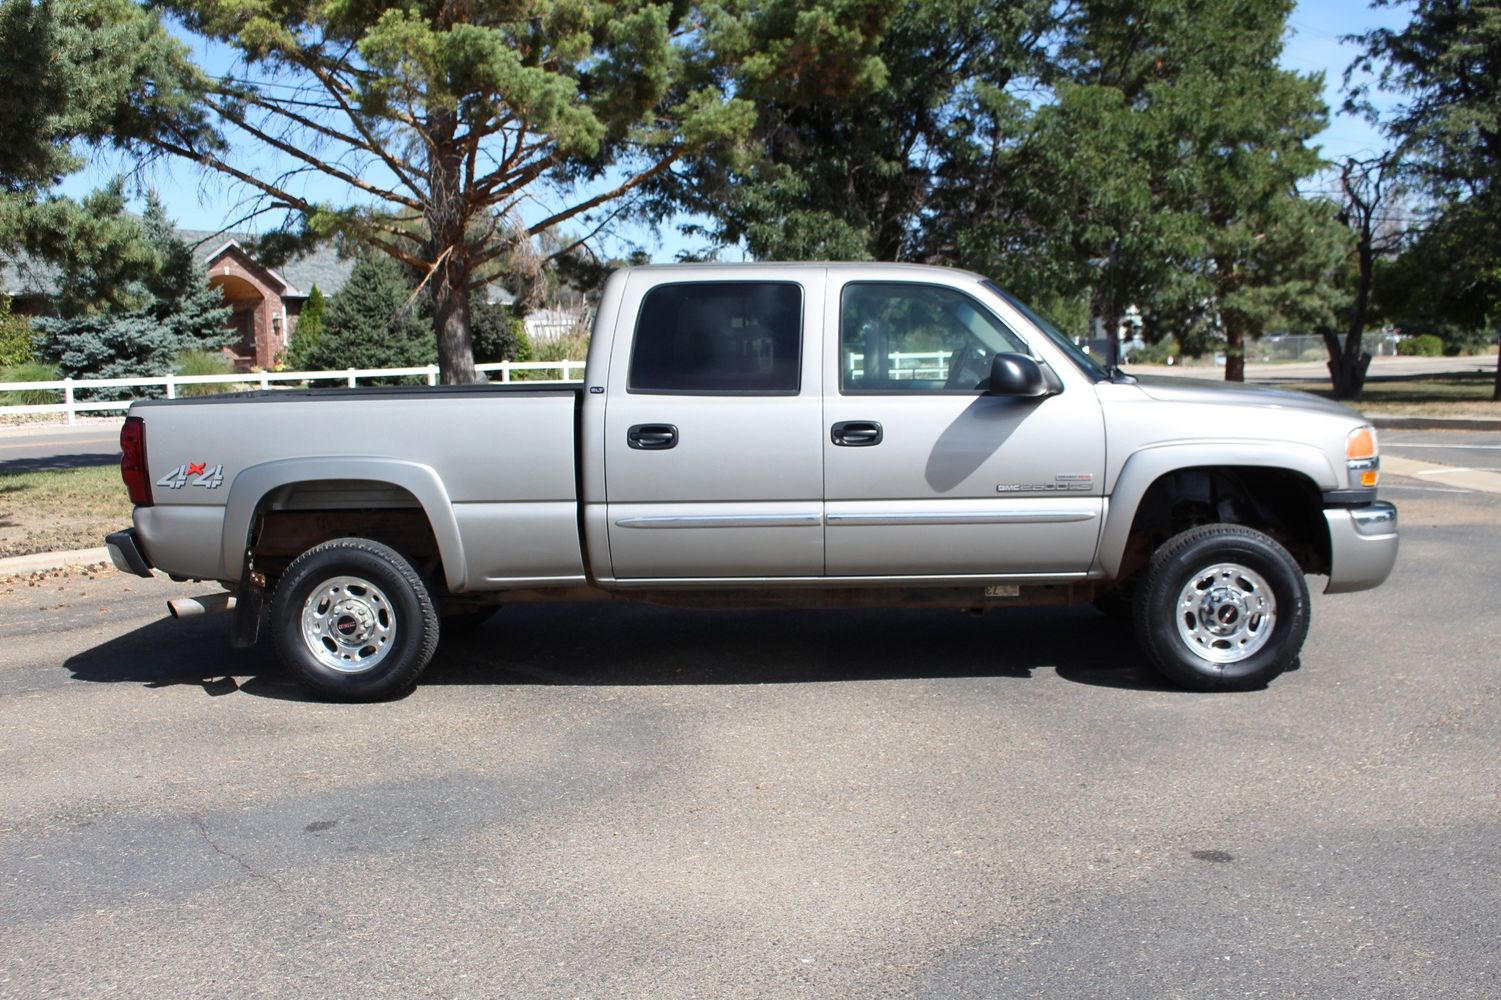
725,336
917,338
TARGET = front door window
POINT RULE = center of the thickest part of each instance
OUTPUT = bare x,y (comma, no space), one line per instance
905,338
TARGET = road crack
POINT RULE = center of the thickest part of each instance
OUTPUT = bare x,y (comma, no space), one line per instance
243,865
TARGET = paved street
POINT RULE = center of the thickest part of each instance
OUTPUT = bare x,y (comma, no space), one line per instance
1454,448
619,801
37,449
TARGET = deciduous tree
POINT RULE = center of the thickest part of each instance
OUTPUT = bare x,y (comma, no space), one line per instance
1446,66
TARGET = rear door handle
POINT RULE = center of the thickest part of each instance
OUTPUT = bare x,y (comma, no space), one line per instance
652,437
856,433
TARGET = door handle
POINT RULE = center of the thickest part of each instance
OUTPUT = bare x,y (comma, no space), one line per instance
856,433
652,437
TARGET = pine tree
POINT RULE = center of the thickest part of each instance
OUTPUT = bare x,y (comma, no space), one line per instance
173,309
308,331
374,321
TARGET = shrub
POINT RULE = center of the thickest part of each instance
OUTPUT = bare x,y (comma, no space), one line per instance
31,371
373,322
1426,345
17,342
307,332
498,334
203,363
571,347
1156,354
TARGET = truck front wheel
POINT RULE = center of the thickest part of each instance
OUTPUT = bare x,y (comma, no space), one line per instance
353,620
1222,607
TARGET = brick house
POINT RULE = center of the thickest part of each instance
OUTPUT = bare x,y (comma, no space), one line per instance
266,302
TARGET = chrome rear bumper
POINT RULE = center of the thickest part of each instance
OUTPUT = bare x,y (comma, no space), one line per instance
126,554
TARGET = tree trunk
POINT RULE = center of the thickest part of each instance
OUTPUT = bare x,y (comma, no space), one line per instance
450,291
1348,364
1348,374
447,226
1235,350
1496,394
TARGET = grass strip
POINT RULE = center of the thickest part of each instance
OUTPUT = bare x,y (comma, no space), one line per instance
60,510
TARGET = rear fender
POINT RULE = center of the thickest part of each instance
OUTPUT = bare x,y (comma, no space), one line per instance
252,485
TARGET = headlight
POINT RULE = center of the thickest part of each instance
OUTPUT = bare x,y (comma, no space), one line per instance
1362,457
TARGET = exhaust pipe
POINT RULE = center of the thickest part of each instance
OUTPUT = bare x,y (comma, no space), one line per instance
209,604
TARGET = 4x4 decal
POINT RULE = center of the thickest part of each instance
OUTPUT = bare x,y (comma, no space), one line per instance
210,477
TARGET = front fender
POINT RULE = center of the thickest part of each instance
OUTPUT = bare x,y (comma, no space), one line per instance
1150,464
251,486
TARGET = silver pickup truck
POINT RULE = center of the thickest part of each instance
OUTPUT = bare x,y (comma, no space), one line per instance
787,435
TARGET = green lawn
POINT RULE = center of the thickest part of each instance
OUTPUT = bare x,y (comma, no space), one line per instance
68,509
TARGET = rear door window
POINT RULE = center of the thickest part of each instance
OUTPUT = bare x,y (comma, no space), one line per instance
719,338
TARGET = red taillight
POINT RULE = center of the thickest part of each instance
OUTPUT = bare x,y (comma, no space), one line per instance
133,461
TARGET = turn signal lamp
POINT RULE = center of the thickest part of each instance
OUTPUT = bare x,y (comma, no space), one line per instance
1362,458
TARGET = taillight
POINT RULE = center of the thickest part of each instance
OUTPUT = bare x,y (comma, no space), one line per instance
133,461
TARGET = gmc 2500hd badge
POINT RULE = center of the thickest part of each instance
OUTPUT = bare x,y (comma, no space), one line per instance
210,477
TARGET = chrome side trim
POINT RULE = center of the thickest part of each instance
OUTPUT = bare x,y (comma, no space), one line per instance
978,517
958,579
721,521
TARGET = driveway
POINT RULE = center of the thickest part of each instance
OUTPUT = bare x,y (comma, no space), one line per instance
620,801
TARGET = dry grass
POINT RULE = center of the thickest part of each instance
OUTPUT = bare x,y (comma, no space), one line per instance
1459,394
63,510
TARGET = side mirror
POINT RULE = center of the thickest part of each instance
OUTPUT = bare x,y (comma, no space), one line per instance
1017,375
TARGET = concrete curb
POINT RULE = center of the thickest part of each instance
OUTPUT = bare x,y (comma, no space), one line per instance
42,562
1397,422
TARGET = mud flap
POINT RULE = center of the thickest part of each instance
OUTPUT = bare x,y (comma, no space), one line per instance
250,601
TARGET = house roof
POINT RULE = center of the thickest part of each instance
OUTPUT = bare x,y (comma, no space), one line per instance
321,266
24,276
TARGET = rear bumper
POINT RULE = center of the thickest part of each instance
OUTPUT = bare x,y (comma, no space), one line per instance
126,554
1362,546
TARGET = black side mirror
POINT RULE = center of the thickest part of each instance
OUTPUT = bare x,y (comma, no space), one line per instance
1017,375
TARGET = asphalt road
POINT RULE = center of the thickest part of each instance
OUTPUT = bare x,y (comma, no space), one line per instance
1473,450
619,801
45,449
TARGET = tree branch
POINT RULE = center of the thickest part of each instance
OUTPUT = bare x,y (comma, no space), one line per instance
323,166
331,84
630,185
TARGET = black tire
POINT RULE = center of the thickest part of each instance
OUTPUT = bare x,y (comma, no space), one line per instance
1219,637
353,620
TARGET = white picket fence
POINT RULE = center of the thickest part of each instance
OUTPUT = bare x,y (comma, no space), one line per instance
567,371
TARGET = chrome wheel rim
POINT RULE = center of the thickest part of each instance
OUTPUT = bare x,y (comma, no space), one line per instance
348,624
1226,613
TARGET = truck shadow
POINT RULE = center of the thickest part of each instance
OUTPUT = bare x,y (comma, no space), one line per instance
626,644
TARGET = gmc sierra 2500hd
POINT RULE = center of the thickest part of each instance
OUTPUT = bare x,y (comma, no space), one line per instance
800,435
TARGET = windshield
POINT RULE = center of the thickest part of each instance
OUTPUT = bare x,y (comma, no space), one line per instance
1064,343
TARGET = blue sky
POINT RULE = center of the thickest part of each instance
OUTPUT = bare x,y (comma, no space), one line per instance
197,200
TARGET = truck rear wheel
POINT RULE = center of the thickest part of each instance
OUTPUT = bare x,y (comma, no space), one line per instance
1222,607
353,620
